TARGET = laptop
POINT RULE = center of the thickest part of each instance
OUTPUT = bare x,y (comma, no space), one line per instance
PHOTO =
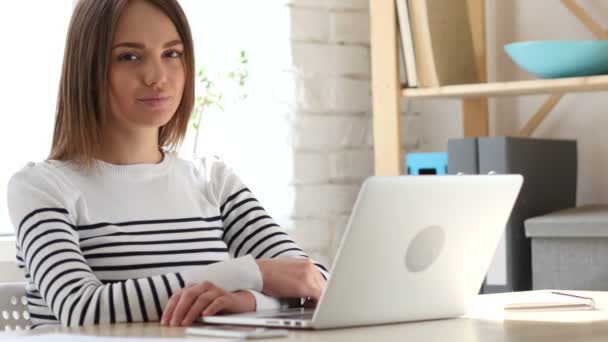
415,248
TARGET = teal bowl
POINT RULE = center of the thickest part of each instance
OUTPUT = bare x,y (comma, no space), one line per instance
555,58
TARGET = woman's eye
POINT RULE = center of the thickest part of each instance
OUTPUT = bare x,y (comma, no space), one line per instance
174,54
128,57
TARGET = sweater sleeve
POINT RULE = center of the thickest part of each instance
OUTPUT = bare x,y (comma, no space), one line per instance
248,228
43,215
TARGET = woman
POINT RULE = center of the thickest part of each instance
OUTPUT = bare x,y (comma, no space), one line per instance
113,227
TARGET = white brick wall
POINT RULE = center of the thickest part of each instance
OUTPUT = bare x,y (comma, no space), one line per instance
311,59
351,166
324,132
336,94
330,104
310,168
338,223
324,201
312,233
311,25
349,27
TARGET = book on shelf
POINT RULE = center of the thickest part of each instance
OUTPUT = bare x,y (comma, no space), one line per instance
406,43
442,42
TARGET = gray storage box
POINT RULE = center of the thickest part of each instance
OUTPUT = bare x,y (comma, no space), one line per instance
570,249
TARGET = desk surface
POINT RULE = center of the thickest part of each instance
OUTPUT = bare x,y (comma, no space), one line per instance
485,322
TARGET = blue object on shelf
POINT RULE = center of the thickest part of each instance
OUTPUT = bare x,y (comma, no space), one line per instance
560,58
434,163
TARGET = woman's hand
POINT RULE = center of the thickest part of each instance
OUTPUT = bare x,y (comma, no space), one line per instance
291,278
205,299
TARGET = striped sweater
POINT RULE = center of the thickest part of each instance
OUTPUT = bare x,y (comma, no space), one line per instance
113,244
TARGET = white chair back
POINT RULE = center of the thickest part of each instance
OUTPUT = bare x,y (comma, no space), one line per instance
14,313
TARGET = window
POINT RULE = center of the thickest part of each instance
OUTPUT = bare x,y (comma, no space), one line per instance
32,33
252,135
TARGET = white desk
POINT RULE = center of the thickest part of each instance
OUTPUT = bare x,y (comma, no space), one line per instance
483,323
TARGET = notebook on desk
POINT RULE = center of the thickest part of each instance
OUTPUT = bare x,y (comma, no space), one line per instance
550,301
415,248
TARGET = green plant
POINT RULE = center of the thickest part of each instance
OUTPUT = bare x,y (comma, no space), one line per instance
213,90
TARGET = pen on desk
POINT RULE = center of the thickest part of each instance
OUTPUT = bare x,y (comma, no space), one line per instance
570,295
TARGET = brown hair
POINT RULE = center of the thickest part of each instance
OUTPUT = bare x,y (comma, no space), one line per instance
83,102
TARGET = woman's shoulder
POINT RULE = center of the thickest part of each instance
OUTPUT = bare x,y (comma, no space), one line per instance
34,171
207,168
39,186
46,174
210,173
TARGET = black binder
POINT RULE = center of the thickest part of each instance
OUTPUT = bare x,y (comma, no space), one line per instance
549,168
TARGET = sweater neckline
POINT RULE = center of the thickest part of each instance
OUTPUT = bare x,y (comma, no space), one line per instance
135,170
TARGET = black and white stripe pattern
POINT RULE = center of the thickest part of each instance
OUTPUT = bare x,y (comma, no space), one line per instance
126,270
103,283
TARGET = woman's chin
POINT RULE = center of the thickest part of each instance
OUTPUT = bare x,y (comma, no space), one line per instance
155,117
154,121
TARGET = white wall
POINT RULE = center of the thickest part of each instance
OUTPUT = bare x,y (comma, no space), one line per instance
330,107
30,66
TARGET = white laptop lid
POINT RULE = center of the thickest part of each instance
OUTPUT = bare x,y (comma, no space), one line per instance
416,248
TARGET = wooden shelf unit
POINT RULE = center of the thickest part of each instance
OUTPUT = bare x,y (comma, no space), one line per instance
559,85
387,90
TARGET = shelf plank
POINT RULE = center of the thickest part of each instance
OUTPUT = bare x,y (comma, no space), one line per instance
531,87
475,113
388,156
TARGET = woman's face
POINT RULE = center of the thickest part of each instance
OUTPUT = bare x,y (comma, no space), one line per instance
146,69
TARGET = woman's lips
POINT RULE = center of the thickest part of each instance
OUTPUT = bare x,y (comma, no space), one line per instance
154,102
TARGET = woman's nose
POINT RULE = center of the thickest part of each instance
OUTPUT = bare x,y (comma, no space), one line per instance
154,73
